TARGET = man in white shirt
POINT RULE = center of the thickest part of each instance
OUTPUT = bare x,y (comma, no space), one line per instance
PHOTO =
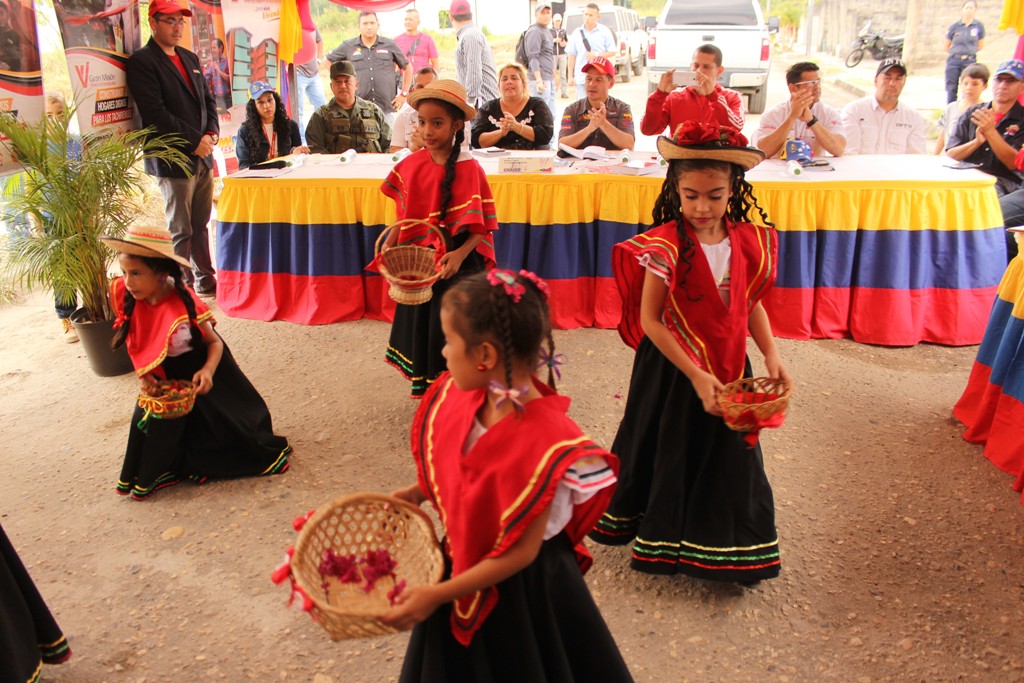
803,117
879,124
406,133
589,41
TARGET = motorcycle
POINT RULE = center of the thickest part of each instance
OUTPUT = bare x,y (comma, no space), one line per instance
880,47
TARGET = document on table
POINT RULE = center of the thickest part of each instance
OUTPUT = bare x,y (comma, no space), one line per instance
263,172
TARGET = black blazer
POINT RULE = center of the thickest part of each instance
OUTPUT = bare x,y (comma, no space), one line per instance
166,102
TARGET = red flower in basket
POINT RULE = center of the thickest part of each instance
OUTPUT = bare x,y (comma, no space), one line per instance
690,133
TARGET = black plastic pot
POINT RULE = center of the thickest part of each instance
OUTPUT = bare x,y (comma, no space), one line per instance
96,338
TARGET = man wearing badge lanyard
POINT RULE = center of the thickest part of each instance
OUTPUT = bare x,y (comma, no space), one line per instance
418,47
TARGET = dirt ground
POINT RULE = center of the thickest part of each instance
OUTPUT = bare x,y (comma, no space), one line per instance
902,546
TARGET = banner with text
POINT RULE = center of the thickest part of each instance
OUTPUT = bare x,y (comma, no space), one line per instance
21,81
98,37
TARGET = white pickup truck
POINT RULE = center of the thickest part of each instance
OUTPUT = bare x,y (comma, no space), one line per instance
736,27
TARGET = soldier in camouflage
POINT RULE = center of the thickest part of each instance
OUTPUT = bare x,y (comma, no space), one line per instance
347,122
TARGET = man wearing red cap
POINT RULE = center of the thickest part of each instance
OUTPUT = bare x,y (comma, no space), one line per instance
705,101
172,96
597,119
474,60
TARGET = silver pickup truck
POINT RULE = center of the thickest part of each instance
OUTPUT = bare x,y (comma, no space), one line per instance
736,27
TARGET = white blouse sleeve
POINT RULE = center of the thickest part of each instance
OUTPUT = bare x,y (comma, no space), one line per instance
586,477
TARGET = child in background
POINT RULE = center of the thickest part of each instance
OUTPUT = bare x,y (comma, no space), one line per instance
441,185
517,486
973,82
691,492
169,333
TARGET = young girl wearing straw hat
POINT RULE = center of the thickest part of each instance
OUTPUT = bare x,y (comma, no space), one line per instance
169,335
441,185
692,493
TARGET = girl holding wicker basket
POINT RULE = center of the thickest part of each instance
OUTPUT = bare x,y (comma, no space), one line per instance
168,330
441,186
517,486
693,496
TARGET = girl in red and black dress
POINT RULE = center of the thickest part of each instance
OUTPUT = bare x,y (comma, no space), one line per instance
517,486
169,334
692,493
441,185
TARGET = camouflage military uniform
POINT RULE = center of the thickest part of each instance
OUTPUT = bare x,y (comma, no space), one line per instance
333,129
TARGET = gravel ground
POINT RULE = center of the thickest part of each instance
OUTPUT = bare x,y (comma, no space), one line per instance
901,545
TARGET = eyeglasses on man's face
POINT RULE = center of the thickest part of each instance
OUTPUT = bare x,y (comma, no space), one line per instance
816,83
172,22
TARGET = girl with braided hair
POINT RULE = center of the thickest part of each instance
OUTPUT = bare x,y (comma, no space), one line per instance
169,335
517,486
444,186
692,497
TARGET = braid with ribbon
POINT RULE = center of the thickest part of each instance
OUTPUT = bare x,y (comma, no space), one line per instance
190,307
125,320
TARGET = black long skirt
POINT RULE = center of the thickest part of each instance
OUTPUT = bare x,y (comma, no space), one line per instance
414,348
692,496
29,635
545,628
227,434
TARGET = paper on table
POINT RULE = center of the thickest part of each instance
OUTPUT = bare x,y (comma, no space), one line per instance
591,152
262,172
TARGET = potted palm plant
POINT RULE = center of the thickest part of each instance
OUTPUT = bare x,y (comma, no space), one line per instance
72,190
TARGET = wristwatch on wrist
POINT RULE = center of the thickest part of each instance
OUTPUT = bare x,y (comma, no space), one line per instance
215,138
404,93
814,120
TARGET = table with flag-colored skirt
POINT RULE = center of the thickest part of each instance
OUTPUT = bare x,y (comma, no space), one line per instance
992,405
886,250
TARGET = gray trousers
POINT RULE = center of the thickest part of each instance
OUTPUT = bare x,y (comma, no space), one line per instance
188,204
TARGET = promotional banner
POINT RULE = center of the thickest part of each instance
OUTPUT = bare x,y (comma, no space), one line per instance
98,36
21,82
209,41
252,28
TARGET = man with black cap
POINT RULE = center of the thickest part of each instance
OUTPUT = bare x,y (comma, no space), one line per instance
878,123
991,134
173,97
347,121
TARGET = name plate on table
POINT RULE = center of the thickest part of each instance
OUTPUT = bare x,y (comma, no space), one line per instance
525,164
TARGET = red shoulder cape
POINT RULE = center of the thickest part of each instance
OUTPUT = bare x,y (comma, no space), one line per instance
712,335
488,497
415,185
152,326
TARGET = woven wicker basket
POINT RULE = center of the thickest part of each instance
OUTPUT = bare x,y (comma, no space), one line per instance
353,525
755,397
171,399
411,270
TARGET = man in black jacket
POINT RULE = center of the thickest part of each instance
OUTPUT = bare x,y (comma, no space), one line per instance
172,96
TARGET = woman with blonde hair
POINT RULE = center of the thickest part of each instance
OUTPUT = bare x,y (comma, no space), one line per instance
514,120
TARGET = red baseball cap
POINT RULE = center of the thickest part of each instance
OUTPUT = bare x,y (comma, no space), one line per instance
602,64
460,7
167,7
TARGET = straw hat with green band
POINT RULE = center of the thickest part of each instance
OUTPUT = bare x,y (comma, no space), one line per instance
149,242
446,90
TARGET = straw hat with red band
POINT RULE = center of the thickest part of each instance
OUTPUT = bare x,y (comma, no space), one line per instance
445,90
148,242
167,7
699,140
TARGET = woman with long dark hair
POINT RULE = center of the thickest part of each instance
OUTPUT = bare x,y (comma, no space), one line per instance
267,132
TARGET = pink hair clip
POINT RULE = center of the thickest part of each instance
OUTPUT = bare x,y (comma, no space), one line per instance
508,394
507,279
541,285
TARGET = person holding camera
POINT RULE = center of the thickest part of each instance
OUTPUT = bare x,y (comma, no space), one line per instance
701,99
